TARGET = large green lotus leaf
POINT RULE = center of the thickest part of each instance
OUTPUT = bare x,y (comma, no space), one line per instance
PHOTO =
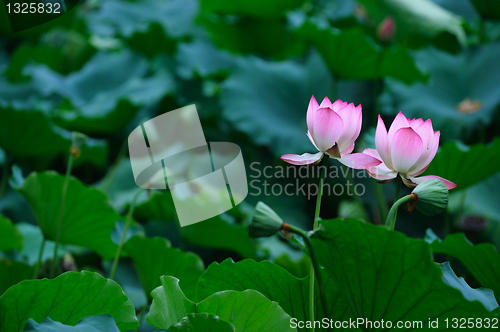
473,90
276,284
10,236
124,18
153,258
488,8
351,54
12,272
419,22
272,98
88,218
465,165
202,323
270,38
258,8
386,275
25,133
104,95
88,324
220,232
483,295
482,260
461,8
247,311
66,299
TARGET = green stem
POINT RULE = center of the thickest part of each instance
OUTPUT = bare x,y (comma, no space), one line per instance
141,316
39,263
393,212
315,225
5,176
398,188
61,213
315,264
128,221
379,190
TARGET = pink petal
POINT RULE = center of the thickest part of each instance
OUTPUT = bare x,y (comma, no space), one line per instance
338,105
406,148
359,161
415,123
326,102
382,141
348,150
312,140
400,121
447,183
304,159
351,117
327,128
427,135
372,152
381,172
311,109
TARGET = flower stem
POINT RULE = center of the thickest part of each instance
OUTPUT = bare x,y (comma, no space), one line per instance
315,225
379,190
128,221
393,212
5,176
398,189
314,263
61,213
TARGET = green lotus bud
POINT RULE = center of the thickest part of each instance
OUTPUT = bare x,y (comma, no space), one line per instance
265,222
430,197
78,139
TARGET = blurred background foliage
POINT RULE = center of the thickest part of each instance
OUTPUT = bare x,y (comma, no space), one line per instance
250,67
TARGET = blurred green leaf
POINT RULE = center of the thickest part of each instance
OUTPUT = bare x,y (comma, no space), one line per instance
247,310
105,94
202,323
87,324
268,101
386,275
465,165
32,243
67,299
463,92
13,272
10,236
419,22
483,295
255,8
482,260
153,258
351,54
488,8
88,217
217,232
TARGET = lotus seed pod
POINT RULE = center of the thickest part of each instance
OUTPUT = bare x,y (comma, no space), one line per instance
431,196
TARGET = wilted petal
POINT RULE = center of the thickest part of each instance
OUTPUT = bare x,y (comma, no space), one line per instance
304,159
327,128
351,117
382,141
359,161
406,148
311,109
447,183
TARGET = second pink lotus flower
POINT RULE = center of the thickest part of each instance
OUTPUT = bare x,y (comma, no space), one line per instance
332,129
407,149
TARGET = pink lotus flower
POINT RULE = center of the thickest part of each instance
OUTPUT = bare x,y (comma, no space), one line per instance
407,149
387,29
332,129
